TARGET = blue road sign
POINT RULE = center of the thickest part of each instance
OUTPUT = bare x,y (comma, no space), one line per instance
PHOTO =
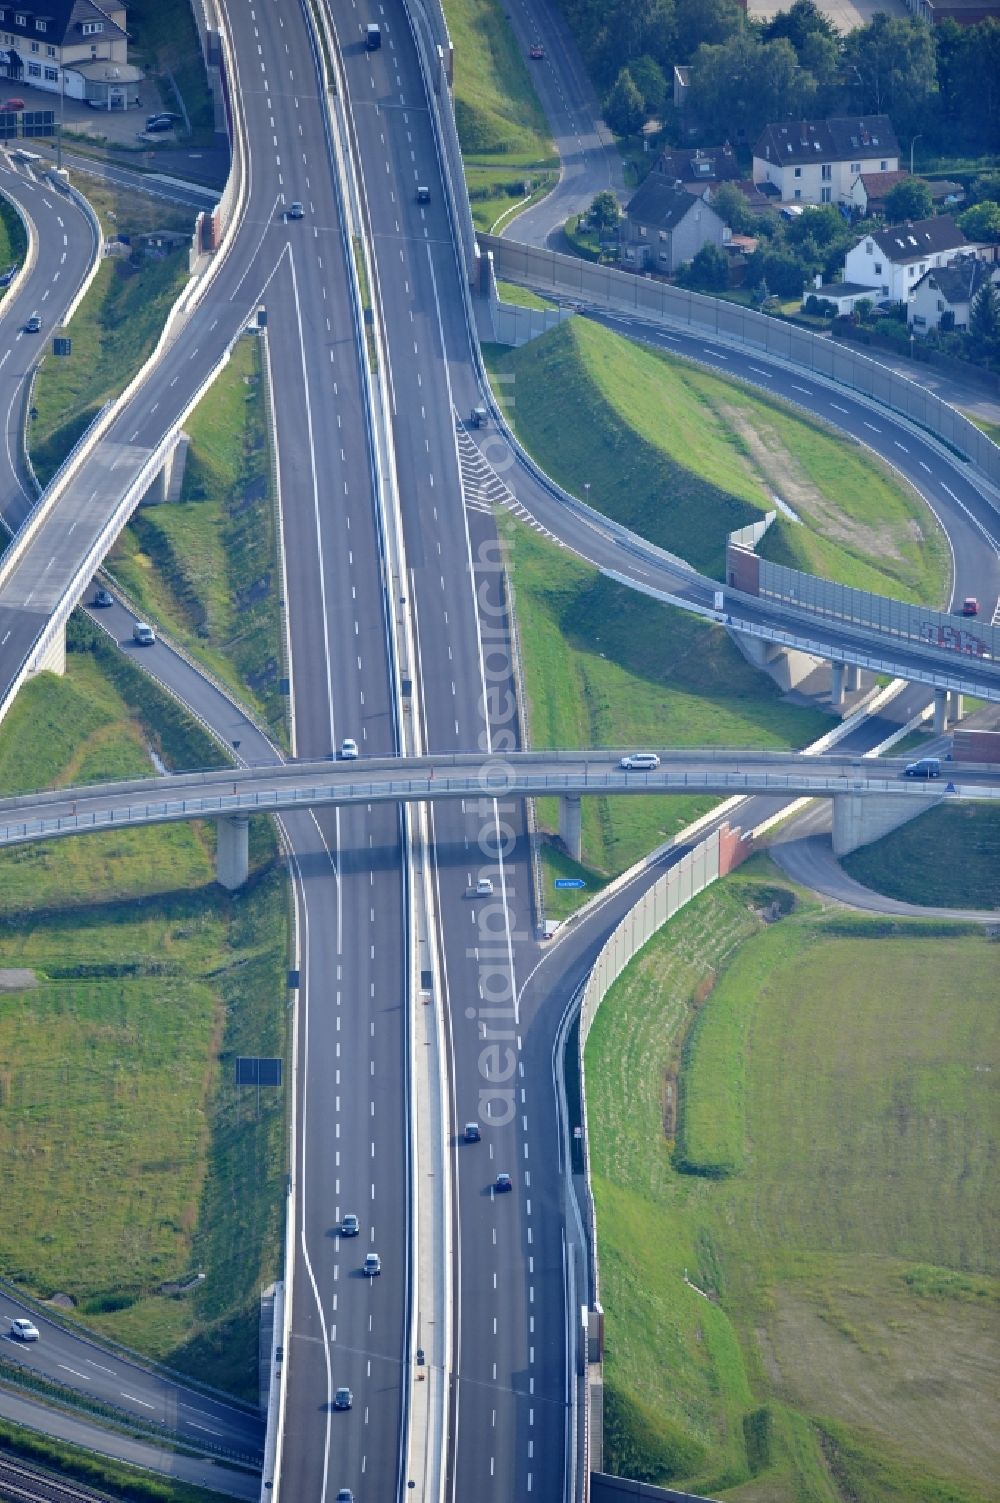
570,882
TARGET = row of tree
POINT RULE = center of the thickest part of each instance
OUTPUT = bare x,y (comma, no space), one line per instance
940,83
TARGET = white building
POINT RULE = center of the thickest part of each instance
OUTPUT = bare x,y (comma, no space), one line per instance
818,161
891,260
76,47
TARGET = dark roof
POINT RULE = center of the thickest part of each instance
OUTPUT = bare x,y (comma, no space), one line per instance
701,164
843,289
957,283
900,243
660,202
63,19
835,140
942,188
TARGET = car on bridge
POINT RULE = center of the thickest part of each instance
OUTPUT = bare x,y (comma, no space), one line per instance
423,194
970,606
348,749
927,767
640,762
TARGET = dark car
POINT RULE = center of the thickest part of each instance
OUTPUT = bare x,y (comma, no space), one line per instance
502,1183
167,115
536,51
161,123
102,600
295,210
472,1133
927,767
350,1226
8,276
343,1398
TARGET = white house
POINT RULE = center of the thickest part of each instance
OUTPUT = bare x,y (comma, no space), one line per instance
75,47
946,290
818,161
891,260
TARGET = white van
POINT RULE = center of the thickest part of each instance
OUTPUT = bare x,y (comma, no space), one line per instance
640,762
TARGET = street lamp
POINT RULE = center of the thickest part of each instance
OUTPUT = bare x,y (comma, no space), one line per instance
912,143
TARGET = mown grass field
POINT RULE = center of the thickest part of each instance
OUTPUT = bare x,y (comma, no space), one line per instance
604,666
206,566
132,1160
501,126
683,457
948,858
793,1139
113,331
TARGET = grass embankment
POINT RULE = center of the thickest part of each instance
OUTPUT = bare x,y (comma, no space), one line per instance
605,666
132,1159
683,457
948,858
206,566
163,36
522,296
827,1083
501,126
13,240
113,331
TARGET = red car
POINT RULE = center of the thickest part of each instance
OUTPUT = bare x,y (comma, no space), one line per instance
970,606
536,51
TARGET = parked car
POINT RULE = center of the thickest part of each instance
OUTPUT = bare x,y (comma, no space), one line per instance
502,1184
927,767
348,749
350,1226
640,762
372,1265
143,634
166,115
33,324
472,1133
343,1398
102,599
14,104
157,126
23,1330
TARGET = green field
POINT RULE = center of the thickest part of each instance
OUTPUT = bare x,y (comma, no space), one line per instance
605,666
501,126
206,567
132,1159
113,331
948,858
683,457
116,1478
793,1140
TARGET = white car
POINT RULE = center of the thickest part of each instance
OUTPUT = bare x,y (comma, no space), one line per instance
23,1330
372,1265
348,749
640,762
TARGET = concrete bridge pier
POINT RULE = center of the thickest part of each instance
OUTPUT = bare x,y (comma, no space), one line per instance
852,677
571,825
838,672
859,820
167,484
232,854
956,706
940,711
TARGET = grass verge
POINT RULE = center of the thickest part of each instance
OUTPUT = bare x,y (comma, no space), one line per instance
683,457
815,1322
115,1478
207,566
501,125
114,330
134,1161
162,35
605,666
948,858
522,296
13,240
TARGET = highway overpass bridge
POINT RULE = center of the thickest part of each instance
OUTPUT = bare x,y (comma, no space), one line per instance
870,796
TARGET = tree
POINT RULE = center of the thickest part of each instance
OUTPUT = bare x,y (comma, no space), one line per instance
705,22
623,108
746,83
804,19
909,199
984,320
730,204
981,222
894,62
649,79
707,272
604,211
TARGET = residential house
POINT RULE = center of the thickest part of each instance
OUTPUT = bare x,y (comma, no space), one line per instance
698,167
892,259
665,226
870,190
76,47
946,290
818,161
844,296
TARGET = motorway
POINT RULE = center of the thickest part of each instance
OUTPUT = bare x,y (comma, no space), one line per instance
510,1353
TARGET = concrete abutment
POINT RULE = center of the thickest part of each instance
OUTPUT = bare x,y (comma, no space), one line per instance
232,856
